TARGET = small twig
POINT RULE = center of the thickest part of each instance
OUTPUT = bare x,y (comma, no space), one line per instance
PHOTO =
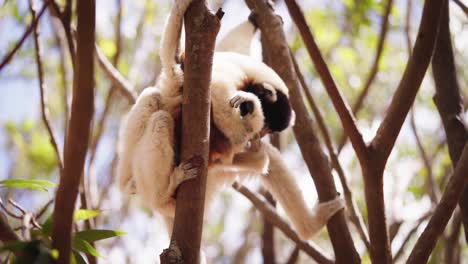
65,19
294,256
434,190
42,211
62,44
115,76
415,228
462,6
17,206
6,59
269,213
40,73
452,245
442,213
8,212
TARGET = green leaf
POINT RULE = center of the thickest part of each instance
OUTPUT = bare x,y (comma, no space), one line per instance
77,258
85,247
96,234
27,184
84,214
47,226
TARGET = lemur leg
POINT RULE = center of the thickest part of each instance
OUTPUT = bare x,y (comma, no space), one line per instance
245,164
153,160
132,129
281,183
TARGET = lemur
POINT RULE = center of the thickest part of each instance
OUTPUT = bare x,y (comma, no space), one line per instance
248,100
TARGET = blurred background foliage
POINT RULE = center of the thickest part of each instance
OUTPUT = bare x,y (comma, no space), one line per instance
347,33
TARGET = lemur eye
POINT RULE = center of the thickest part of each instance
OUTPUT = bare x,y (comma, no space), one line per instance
246,108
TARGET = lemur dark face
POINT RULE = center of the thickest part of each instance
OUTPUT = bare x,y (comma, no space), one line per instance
275,104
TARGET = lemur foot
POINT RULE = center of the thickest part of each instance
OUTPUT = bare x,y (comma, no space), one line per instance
329,208
245,105
321,213
186,170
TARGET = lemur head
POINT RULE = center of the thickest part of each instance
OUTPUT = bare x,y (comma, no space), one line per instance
275,106
265,84
248,99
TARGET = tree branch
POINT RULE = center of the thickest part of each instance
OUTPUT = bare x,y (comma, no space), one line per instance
115,76
409,85
462,6
442,213
280,60
354,214
201,27
434,191
408,236
270,215
79,130
40,74
449,101
374,69
6,59
341,107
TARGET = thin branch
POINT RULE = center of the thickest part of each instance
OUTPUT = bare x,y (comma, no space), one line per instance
452,246
409,85
65,19
268,233
100,125
354,214
42,211
357,106
6,59
62,44
115,76
17,206
8,211
269,213
279,59
449,102
40,74
408,236
294,256
442,213
409,9
347,118
79,130
434,189
462,6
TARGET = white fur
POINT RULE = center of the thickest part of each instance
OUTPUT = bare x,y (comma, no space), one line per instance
238,39
146,140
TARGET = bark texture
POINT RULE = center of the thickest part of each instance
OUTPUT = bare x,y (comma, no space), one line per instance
317,162
201,27
78,130
449,101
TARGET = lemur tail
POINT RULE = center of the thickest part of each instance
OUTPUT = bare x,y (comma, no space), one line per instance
170,40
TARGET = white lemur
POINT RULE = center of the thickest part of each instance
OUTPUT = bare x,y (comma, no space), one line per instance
248,100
